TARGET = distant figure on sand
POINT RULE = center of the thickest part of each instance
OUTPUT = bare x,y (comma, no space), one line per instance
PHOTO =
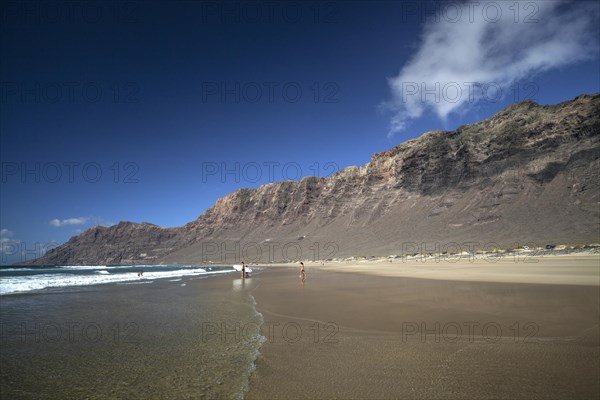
244,273
302,272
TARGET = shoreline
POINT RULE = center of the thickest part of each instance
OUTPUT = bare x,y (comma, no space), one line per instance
366,332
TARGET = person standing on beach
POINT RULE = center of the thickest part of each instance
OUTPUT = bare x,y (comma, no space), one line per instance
302,272
243,270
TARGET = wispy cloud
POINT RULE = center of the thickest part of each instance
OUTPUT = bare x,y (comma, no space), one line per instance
460,62
8,245
6,235
69,221
59,223
13,250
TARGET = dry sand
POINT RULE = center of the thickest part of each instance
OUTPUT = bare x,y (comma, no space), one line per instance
581,269
473,330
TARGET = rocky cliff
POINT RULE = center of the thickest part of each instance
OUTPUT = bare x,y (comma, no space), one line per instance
526,176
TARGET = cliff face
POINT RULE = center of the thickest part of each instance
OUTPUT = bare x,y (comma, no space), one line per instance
527,175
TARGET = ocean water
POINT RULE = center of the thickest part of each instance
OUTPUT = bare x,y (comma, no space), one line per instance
18,279
104,333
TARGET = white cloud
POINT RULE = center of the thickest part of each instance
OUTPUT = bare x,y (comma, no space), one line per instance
13,250
93,221
6,235
7,245
69,221
461,63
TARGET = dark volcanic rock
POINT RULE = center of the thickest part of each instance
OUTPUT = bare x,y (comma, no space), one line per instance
124,243
527,175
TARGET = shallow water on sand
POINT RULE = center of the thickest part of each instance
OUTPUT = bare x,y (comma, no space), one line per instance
190,338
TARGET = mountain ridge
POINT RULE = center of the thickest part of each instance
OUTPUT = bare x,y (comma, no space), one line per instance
524,175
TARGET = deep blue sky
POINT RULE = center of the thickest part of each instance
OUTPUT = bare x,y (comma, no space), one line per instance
137,88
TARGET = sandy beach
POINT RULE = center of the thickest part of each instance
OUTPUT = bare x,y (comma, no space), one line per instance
431,330
526,267
360,330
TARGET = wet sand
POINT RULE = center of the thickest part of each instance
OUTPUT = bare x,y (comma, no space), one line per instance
128,341
502,333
